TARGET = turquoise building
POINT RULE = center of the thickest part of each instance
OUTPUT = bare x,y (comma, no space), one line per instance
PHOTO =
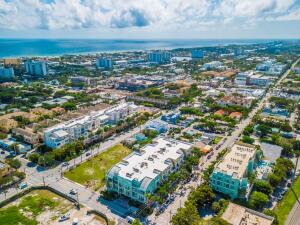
230,175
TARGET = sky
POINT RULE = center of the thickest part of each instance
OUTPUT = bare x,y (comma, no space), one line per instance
145,19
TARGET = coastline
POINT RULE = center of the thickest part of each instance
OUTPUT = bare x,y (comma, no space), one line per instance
62,46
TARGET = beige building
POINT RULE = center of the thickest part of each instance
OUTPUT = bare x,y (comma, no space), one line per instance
12,62
27,134
4,169
238,215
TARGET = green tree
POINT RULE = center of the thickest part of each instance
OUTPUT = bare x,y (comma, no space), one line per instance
258,200
202,195
274,179
136,222
218,221
263,186
14,163
247,139
188,215
3,136
69,106
270,212
15,148
34,157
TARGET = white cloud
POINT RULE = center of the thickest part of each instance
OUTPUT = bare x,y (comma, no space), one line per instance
76,14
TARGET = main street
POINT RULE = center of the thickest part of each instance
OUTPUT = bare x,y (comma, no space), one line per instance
165,217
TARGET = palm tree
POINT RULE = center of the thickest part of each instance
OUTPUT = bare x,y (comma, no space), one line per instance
15,148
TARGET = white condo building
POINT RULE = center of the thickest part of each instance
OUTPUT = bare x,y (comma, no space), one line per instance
69,131
143,172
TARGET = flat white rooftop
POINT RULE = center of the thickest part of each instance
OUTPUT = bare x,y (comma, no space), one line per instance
235,162
153,159
238,215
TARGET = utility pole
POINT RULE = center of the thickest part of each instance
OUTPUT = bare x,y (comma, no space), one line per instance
44,181
170,216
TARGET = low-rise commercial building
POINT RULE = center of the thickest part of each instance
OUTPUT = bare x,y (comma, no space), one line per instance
239,215
212,65
157,125
230,174
27,135
142,172
66,132
83,81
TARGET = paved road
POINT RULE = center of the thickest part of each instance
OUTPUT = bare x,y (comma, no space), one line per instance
53,178
165,217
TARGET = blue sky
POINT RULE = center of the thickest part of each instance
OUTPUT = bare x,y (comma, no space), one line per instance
136,19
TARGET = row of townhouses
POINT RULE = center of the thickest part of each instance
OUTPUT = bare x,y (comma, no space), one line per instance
69,131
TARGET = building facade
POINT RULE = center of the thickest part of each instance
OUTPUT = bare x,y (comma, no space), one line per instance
142,172
230,174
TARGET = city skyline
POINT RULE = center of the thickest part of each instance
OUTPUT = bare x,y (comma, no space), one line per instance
149,19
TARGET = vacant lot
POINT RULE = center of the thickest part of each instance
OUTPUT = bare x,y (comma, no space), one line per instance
285,206
38,207
92,172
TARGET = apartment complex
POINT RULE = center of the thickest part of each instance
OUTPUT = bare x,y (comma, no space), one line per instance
252,78
231,100
230,174
69,131
36,68
142,172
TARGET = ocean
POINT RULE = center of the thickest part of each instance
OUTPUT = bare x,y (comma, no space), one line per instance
56,47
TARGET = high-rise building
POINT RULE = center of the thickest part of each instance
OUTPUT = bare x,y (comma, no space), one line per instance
197,54
104,62
36,68
6,73
159,56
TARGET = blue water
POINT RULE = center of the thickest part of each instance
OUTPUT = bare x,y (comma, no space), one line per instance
53,47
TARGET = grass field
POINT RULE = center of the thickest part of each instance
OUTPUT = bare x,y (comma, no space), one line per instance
26,210
92,172
285,206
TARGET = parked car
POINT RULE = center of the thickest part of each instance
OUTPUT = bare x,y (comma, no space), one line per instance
130,219
65,164
23,185
88,154
73,192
